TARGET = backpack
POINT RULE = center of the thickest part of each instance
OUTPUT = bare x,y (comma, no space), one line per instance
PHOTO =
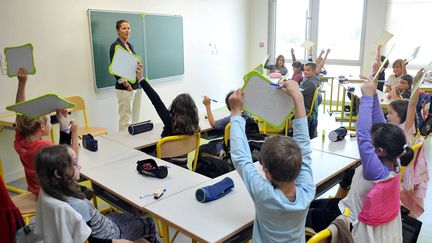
213,166
425,123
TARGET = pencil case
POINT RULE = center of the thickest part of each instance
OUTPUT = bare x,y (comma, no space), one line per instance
215,191
89,142
338,134
149,167
140,127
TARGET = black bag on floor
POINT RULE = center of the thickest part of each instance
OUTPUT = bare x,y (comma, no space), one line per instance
212,166
410,227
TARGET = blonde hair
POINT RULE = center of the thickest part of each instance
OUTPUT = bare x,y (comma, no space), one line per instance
28,126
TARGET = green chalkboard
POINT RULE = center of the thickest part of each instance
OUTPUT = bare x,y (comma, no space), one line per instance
104,33
163,46
158,39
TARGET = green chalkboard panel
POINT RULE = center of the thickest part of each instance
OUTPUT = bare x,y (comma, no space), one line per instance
163,46
104,33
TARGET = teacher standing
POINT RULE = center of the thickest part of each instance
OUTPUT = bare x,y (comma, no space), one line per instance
128,94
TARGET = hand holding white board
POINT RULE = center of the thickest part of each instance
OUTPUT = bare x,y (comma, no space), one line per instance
124,64
19,57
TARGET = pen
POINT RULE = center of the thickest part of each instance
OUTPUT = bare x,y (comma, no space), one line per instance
280,86
211,99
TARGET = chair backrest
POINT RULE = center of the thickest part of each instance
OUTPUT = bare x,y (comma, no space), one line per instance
227,133
312,107
79,106
416,147
174,146
57,221
325,235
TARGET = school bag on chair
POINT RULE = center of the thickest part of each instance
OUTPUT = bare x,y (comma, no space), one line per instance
425,123
410,227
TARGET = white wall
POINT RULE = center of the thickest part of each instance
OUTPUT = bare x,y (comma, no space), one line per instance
59,30
259,10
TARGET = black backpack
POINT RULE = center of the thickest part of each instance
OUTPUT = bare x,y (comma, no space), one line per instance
212,159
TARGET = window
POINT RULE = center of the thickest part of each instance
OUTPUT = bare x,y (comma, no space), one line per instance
291,27
334,24
408,22
340,28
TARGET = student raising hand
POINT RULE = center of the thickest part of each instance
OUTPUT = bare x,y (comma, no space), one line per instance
369,88
236,102
291,87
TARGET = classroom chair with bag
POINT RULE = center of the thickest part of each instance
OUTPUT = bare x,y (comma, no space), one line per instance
80,106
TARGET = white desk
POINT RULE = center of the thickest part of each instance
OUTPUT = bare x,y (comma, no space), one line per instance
121,185
142,140
108,151
150,138
384,102
347,147
222,219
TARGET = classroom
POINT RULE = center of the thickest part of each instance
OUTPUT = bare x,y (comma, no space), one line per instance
223,41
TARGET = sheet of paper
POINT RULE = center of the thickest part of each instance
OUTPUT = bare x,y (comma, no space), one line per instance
19,57
307,44
383,39
413,54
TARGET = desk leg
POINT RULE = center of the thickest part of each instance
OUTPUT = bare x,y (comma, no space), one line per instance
342,117
331,96
165,232
337,99
351,116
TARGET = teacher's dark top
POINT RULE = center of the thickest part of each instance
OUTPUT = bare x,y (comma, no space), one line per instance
112,48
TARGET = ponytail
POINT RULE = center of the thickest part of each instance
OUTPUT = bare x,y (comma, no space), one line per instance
407,155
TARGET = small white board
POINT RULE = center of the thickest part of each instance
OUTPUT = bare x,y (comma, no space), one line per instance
40,106
19,57
266,101
124,64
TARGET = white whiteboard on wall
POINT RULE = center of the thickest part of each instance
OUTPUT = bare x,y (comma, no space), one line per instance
265,101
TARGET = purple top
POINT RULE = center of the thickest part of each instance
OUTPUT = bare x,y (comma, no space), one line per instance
373,168
297,76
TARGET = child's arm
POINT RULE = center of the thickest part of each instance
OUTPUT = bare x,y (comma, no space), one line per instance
319,57
207,104
240,151
378,56
411,112
293,57
74,137
160,107
22,80
266,64
373,169
322,61
301,133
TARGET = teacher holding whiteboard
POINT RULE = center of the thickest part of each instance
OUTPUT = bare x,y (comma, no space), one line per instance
128,94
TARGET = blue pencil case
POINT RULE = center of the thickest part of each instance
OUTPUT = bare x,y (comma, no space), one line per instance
215,191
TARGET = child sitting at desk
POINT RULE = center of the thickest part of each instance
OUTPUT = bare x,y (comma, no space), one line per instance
309,84
381,145
30,131
180,119
278,67
58,170
221,123
403,89
399,69
297,68
281,198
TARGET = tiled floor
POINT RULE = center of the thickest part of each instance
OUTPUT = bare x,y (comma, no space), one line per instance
327,123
